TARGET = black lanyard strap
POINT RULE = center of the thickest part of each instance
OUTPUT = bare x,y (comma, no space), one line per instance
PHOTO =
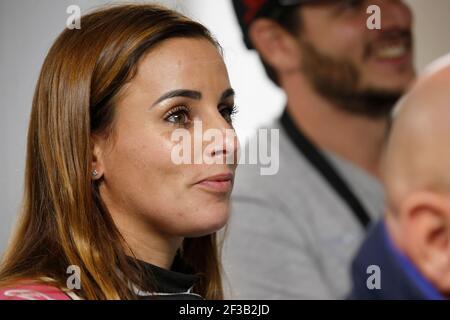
325,168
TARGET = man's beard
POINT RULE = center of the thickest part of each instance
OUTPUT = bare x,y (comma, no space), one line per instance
338,81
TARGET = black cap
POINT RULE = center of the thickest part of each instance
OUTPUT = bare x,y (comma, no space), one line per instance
248,11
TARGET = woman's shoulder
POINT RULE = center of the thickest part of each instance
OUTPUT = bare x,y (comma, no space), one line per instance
29,290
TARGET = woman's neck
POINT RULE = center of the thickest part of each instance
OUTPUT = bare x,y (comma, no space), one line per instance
143,240
148,247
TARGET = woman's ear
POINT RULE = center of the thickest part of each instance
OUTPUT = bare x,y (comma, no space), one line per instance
425,220
97,165
276,46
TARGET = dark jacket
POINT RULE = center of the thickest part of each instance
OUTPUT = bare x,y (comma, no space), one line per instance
399,278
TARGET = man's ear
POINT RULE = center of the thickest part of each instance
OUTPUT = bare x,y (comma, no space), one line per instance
276,46
97,164
425,223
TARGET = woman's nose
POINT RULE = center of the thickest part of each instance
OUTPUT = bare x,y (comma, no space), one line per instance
219,139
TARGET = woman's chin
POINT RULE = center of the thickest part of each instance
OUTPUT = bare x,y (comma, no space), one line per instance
208,226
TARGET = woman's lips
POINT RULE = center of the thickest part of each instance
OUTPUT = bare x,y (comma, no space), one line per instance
219,183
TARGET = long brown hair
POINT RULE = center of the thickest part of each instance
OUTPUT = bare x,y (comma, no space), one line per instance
63,220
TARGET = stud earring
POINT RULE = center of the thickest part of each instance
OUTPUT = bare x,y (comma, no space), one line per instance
94,173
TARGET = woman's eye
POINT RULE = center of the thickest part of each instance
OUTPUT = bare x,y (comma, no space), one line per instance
228,113
179,116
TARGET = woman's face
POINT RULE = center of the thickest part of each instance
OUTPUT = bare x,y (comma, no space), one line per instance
180,81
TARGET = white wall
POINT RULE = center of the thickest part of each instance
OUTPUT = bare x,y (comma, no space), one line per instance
27,29
432,29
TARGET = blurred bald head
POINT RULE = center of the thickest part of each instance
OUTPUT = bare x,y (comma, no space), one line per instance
417,154
416,174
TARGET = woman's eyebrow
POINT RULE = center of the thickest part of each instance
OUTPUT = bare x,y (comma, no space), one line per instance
227,93
179,93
